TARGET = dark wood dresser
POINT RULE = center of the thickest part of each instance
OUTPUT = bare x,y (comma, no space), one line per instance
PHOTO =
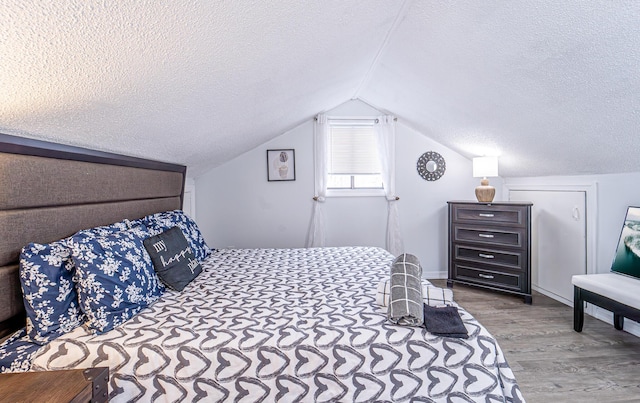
77,386
490,246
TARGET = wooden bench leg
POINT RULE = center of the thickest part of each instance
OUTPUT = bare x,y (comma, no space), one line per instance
618,321
619,310
578,310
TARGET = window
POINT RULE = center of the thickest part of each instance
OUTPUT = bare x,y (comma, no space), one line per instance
353,162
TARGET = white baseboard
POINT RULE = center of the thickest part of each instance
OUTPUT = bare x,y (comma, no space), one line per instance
435,274
553,296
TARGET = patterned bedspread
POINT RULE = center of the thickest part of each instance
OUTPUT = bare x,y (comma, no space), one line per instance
286,325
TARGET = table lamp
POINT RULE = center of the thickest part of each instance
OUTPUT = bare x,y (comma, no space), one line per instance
482,168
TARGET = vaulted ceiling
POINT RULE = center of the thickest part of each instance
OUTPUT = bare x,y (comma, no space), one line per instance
552,86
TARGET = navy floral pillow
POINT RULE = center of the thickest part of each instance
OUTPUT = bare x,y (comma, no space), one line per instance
50,298
106,229
160,222
47,276
115,277
16,352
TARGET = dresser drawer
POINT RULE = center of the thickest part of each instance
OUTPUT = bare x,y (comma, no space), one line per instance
489,256
514,238
489,214
488,277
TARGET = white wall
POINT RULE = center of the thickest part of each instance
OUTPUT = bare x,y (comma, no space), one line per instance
189,200
236,205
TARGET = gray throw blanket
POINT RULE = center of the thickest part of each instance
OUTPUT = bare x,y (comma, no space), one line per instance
444,321
405,301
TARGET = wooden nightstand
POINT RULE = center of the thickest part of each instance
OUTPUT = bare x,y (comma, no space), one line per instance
77,385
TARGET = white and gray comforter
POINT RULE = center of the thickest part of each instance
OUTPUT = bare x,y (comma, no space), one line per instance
286,325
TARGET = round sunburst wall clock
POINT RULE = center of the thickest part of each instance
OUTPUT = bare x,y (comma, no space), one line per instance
431,166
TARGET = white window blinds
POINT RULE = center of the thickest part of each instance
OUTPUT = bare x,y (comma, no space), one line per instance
353,150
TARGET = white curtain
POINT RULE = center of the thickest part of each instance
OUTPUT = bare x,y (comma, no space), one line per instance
316,234
385,129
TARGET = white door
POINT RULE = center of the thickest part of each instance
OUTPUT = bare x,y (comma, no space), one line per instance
559,239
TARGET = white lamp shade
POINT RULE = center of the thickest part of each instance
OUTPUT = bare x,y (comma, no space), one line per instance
485,166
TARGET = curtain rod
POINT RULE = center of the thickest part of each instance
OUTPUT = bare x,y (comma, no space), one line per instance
317,198
395,119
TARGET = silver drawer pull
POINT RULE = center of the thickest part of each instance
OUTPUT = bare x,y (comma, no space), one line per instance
486,256
485,235
485,215
485,275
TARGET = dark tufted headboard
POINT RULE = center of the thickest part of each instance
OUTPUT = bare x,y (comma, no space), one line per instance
49,191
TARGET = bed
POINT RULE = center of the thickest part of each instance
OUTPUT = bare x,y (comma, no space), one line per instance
255,325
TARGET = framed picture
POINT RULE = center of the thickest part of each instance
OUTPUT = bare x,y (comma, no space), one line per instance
281,165
627,258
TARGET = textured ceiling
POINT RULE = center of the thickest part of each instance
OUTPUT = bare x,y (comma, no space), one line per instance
552,86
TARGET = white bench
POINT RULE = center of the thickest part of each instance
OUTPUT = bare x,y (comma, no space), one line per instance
614,292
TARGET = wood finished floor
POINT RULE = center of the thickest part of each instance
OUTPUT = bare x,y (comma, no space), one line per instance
551,361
